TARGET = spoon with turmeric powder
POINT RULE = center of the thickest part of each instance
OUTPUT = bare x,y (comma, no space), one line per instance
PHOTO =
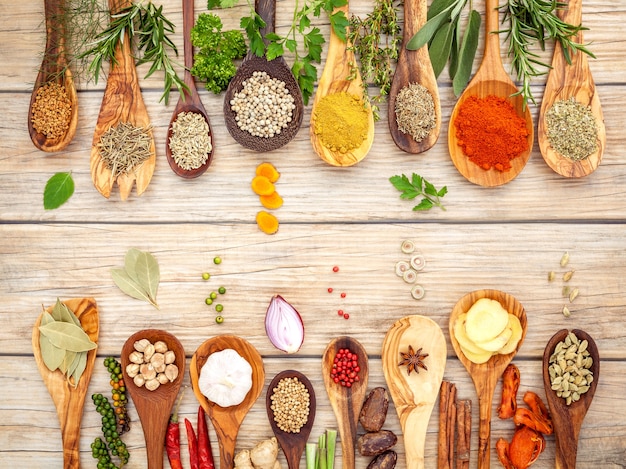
493,84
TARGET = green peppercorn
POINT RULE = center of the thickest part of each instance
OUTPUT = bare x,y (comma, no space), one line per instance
206,276
213,295
208,301
221,290
219,308
219,319
217,260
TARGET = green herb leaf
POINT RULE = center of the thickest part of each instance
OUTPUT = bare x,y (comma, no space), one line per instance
417,185
428,31
60,312
80,367
425,204
467,53
147,273
59,189
439,49
130,261
130,286
437,6
67,336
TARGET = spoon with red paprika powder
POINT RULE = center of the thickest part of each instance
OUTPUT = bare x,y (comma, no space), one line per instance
500,146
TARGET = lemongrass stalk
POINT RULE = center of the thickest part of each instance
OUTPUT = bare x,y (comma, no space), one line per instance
311,456
331,441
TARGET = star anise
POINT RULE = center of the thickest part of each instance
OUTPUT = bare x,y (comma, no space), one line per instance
413,360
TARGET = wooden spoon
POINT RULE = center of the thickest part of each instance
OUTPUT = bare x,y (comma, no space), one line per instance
486,375
568,419
122,102
227,420
490,80
346,402
413,66
69,400
334,79
414,394
277,69
154,407
54,69
293,444
566,81
189,100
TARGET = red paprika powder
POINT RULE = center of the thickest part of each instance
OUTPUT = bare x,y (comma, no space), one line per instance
490,132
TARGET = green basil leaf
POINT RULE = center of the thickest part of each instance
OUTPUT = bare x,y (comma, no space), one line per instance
130,286
67,336
439,49
467,53
59,189
147,273
428,31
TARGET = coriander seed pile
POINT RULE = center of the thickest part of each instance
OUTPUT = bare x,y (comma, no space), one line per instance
264,106
190,142
290,405
572,129
415,111
52,110
124,147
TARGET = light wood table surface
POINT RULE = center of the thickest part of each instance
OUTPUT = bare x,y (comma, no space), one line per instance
507,238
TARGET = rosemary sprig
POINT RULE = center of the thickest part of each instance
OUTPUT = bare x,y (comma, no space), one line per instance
147,29
533,22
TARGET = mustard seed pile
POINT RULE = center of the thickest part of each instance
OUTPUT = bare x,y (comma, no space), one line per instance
52,110
264,106
190,142
415,111
124,147
290,405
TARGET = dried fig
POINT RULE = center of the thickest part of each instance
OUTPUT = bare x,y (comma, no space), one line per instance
386,460
374,410
375,443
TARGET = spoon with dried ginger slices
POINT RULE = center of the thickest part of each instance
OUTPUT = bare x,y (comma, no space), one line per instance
486,375
568,419
567,81
54,69
189,100
121,102
490,80
414,66
276,68
341,74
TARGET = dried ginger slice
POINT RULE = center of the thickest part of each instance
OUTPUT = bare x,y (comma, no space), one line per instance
267,222
268,170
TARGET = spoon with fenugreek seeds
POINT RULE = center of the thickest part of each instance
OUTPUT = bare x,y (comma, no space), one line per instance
53,111
566,81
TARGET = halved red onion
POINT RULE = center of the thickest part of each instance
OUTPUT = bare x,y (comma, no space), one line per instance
283,325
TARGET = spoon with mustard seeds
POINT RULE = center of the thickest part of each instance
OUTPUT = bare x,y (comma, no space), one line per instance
414,66
490,80
567,81
189,100
54,72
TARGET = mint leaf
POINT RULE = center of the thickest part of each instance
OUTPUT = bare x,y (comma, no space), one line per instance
59,189
417,185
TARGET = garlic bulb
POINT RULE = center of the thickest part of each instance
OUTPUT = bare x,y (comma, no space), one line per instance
225,378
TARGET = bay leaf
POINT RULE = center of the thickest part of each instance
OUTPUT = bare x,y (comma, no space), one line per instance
130,261
130,286
60,312
67,362
51,355
148,273
74,364
67,336
80,368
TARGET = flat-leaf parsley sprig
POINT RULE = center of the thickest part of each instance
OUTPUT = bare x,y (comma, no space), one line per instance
418,186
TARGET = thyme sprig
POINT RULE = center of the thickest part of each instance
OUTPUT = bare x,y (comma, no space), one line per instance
533,22
147,29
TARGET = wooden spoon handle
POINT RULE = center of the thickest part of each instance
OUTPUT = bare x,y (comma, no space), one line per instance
188,21
266,10
492,43
485,398
54,58
70,417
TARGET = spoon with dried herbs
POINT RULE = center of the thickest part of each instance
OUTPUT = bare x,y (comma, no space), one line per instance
569,410
123,149
414,111
53,110
67,373
189,146
269,81
491,80
580,122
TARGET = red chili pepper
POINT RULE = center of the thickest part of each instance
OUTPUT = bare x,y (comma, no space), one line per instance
205,456
192,442
172,439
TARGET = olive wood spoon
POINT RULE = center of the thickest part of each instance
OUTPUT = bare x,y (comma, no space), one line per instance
54,69
490,80
414,66
227,420
276,68
486,375
121,102
69,400
346,401
335,79
292,444
189,100
154,407
571,81
568,419
414,395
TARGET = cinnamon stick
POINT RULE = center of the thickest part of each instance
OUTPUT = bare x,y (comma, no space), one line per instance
464,433
447,420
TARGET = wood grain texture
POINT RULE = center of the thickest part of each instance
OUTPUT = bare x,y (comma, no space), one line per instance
414,395
69,397
154,407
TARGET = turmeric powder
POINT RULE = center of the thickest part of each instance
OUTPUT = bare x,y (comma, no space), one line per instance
341,121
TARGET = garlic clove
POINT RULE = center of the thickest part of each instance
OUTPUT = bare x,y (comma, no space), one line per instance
283,325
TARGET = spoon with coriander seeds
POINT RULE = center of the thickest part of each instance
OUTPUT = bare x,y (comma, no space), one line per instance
571,130
269,128
123,149
189,146
414,111
54,88
491,93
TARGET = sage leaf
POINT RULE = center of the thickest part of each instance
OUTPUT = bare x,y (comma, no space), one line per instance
130,286
67,336
439,49
147,273
58,190
60,312
130,261
437,6
467,53
428,31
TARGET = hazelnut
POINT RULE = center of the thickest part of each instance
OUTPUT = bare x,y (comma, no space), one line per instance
171,371
162,378
152,384
140,345
139,381
148,352
160,346
147,371
136,357
170,357
132,369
